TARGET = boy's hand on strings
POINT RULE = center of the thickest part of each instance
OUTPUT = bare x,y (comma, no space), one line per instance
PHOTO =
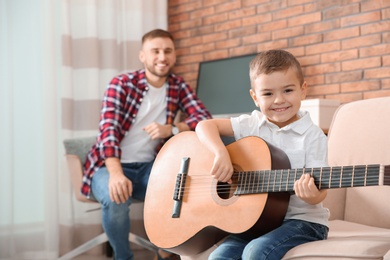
222,169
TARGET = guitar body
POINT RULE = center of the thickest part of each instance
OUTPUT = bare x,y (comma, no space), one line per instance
207,213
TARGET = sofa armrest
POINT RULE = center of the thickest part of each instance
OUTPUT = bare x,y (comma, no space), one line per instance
335,202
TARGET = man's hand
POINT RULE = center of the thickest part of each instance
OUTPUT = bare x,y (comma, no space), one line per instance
120,188
306,190
155,130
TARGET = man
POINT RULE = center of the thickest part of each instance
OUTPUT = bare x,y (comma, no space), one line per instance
137,116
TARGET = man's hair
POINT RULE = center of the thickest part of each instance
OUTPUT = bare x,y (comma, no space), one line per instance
271,61
157,33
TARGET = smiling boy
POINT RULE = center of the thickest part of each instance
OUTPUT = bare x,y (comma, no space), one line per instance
277,88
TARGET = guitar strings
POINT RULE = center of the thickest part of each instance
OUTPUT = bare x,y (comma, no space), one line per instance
201,183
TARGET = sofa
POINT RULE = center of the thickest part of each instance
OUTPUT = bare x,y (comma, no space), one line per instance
359,226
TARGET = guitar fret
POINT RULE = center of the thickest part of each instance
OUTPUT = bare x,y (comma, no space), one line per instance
335,178
269,188
280,177
291,185
281,180
249,183
273,180
334,171
255,181
238,189
274,188
288,178
263,181
346,179
365,176
255,175
290,175
242,183
268,179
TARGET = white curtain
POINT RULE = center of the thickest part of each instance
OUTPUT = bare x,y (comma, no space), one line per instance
56,57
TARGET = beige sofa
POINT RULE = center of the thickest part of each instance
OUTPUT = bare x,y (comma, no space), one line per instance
360,216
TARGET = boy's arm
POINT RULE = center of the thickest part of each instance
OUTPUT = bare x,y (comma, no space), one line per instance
316,156
209,133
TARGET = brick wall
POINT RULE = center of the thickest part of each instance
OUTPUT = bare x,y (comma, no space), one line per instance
343,45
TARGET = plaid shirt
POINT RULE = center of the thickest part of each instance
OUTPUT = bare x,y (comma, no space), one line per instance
121,102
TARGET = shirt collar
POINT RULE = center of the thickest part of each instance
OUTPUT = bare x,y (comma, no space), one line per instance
300,126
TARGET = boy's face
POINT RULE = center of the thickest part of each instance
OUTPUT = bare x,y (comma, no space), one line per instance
158,56
279,95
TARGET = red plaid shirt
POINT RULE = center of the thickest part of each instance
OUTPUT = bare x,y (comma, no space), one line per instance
121,102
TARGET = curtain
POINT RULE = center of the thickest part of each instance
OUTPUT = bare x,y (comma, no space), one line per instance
56,58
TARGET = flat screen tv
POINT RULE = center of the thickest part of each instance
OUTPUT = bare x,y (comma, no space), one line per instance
223,86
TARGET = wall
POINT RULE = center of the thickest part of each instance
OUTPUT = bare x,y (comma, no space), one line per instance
343,45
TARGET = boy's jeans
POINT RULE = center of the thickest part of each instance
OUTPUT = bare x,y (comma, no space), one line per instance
273,245
115,217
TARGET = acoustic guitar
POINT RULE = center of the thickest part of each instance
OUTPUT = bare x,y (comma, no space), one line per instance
187,211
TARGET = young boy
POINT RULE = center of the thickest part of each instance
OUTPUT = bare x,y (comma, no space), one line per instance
277,88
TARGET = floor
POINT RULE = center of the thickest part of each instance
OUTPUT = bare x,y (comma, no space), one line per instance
138,255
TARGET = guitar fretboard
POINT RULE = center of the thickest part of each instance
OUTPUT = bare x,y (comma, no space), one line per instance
263,181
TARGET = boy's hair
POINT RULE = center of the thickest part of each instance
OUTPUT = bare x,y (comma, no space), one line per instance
157,33
267,62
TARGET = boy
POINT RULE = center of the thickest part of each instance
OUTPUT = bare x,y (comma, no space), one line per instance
277,88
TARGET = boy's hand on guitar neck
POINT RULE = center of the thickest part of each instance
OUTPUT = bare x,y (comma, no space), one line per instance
306,190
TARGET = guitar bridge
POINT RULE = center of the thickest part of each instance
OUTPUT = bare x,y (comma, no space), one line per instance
179,187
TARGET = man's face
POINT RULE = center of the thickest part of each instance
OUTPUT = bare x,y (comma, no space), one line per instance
158,56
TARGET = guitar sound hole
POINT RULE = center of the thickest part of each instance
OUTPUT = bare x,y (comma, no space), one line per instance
226,190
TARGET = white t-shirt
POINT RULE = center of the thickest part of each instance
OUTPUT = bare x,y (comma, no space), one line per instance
304,143
137,146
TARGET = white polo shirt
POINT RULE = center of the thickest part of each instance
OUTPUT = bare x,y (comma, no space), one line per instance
304,143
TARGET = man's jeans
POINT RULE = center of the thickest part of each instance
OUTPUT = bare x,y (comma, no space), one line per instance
271,246
115,217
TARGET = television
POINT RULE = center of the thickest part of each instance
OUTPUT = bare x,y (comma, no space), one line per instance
223,86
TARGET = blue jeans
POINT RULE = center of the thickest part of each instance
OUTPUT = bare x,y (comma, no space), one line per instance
115,217
273,245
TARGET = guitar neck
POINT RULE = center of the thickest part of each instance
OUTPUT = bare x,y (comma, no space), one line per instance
264,181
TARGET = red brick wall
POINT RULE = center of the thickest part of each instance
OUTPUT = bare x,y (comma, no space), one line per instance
343,45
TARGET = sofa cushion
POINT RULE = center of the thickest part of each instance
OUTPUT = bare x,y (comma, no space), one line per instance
346,240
